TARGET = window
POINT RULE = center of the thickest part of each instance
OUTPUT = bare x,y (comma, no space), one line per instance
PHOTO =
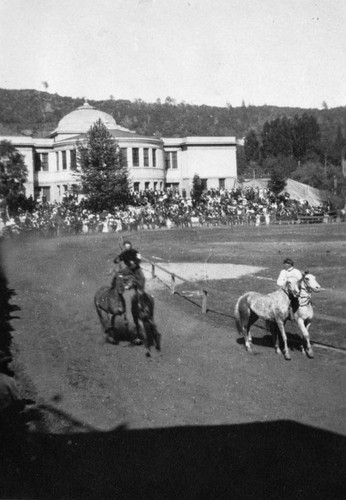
135,157
174,159
154,157
37,163
45,193
123,157
167,160
171,159
173,186
222,183
57,161
41,162
64,163
73,159
136,186
146,157
44,162
147,185
155,185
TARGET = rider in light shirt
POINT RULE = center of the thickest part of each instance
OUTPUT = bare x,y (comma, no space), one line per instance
288,271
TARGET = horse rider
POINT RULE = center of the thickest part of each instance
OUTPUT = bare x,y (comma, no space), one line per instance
287,272
128,264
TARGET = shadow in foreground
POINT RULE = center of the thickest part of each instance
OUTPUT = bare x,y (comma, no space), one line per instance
6,309
281,459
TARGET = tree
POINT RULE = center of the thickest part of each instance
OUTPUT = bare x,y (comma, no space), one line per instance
197,189
306,137
251,146
103,176
276,138
278,180
13,175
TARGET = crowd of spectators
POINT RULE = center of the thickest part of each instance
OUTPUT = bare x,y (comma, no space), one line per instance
163,209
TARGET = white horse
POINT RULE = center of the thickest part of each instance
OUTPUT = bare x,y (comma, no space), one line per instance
273,307
303,311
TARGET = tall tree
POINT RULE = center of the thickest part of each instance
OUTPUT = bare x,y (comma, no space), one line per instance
306,137
278,179
276,138
251,146
13,175
104,177
197,189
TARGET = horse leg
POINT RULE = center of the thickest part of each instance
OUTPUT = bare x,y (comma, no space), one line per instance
248,337
274,332
156,335
304,328
137,340
145,337
281,326
115,339
103,317
123,303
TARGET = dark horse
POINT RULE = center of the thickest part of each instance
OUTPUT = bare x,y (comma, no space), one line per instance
109,303
142,308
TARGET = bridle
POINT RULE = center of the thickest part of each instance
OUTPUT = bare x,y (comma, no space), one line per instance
309,289
305,300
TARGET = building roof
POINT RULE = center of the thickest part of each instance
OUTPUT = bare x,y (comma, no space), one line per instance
81,119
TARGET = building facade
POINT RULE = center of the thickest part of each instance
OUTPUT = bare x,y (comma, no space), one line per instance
152,163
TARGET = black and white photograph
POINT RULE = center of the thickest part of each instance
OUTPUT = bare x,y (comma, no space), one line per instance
172,249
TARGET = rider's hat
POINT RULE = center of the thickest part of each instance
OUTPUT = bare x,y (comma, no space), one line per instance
289,261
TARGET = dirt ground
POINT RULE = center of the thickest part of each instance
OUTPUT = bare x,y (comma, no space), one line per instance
203,376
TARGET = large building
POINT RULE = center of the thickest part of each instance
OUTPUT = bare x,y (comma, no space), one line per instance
153,163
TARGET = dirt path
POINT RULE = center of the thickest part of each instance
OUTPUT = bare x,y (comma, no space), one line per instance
203,377
203,420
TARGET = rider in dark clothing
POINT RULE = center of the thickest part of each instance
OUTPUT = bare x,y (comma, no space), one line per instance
128,264
133,269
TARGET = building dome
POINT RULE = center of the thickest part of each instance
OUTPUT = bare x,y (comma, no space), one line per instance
80,120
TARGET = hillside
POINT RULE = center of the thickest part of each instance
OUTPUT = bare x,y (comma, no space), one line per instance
36,113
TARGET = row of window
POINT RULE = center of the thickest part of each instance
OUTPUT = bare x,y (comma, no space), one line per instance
45,191
135,157
42,164
157,186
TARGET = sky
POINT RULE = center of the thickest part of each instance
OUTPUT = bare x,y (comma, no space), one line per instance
214,52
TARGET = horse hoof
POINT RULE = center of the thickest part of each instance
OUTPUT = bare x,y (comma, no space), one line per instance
137,342
310,353
287,357
277,351
148,355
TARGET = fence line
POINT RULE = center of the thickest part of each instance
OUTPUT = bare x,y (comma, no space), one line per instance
173,277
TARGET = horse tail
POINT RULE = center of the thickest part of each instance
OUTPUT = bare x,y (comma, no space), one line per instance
237,316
